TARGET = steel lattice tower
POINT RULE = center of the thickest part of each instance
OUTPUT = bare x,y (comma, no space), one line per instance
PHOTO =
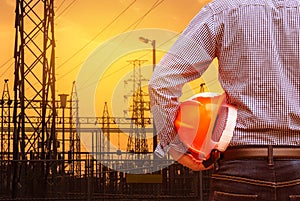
74,155
107,121
5,137
34,85
137,140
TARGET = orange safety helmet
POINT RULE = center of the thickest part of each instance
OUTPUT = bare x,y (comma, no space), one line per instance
205,122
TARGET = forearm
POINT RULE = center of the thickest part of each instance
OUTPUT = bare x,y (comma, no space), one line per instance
165,89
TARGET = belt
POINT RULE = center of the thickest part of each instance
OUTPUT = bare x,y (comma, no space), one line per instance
261,152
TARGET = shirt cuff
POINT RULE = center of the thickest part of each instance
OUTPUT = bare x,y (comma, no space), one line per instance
176,144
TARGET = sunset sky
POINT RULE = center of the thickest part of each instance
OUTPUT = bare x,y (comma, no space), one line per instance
82,26
96,39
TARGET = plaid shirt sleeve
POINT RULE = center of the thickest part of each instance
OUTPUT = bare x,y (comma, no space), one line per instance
187,59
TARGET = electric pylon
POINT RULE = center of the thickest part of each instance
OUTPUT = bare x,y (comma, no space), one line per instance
137,140
5,137
74,154
34,89
105,130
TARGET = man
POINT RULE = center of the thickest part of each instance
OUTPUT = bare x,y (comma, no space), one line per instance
257,44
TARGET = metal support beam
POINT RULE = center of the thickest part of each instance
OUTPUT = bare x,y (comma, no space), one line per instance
34,87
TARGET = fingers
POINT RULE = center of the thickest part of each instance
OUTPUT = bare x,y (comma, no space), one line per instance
187,160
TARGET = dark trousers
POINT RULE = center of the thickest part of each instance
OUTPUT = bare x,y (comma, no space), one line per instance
254,179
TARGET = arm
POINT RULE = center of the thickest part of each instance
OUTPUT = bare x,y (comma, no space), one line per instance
189,57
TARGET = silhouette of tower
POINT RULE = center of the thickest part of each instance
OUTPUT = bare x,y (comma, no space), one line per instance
5,137
137,140
74,152
34,90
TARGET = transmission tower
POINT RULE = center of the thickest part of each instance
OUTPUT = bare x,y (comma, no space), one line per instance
74,153
34,88
5,137
106,131
137,140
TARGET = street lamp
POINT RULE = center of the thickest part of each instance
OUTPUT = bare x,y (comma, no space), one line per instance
153,44
63,105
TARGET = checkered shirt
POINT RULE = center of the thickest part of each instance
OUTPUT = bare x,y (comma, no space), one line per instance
257,44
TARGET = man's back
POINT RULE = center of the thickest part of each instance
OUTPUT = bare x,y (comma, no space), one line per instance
258,44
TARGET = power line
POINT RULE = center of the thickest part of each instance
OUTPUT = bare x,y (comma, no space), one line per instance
58,7
136,23
101,31
106,27
144,55
66,8
128,65
6,62
7,69
70,71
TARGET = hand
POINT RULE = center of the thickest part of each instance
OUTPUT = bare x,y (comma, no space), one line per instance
187,160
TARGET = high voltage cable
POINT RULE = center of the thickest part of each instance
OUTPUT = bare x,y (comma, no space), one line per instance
77,52
6,62
210,82
137,22
127,65
140,56
66,8
119,69
6,70
70,71
106,27
58,7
